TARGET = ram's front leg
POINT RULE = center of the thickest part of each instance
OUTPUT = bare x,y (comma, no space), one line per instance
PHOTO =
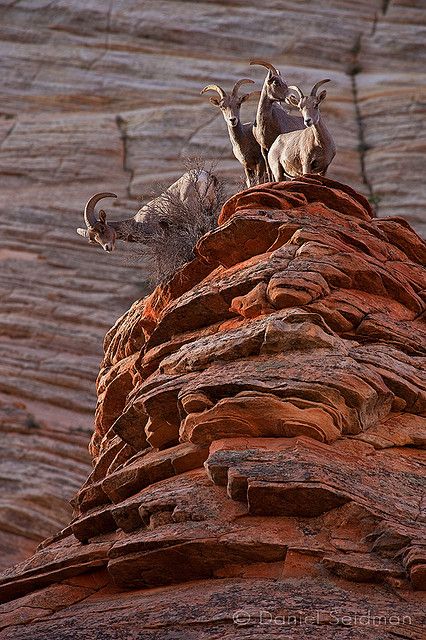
261,172
269,175
279,173
248,175
251,177
306,166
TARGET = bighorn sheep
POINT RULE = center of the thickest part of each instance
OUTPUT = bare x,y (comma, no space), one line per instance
271,118
151,221
308,151
246,150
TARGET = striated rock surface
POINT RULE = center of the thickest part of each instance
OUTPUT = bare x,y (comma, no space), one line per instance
105,96
39,468
259,441
102,95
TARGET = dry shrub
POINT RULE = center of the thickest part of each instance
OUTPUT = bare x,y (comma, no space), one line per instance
181,226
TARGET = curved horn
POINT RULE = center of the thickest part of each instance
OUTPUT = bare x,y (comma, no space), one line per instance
89,210
317,85
299,91
238,84
214,87
268,65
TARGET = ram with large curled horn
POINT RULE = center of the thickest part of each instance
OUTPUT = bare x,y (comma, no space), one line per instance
195,189
310,150
244,145
97,230
271,118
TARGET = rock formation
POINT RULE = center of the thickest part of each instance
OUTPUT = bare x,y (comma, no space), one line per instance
100,95
258,441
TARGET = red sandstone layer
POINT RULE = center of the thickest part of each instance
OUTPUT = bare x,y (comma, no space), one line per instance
258,439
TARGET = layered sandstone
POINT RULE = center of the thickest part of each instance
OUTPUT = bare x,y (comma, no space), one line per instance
102,95
258,442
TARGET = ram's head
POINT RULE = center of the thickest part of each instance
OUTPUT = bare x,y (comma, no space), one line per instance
98,231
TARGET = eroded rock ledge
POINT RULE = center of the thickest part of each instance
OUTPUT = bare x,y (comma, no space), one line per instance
260,419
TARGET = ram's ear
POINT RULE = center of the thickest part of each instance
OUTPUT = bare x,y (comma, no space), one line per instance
215,101
322,96
253,94
83,232
102,216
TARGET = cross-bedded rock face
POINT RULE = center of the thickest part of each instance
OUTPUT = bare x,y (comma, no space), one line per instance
301,315
260,420
30,511
105,96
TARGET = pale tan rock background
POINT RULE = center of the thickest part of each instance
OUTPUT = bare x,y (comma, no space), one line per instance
98,95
